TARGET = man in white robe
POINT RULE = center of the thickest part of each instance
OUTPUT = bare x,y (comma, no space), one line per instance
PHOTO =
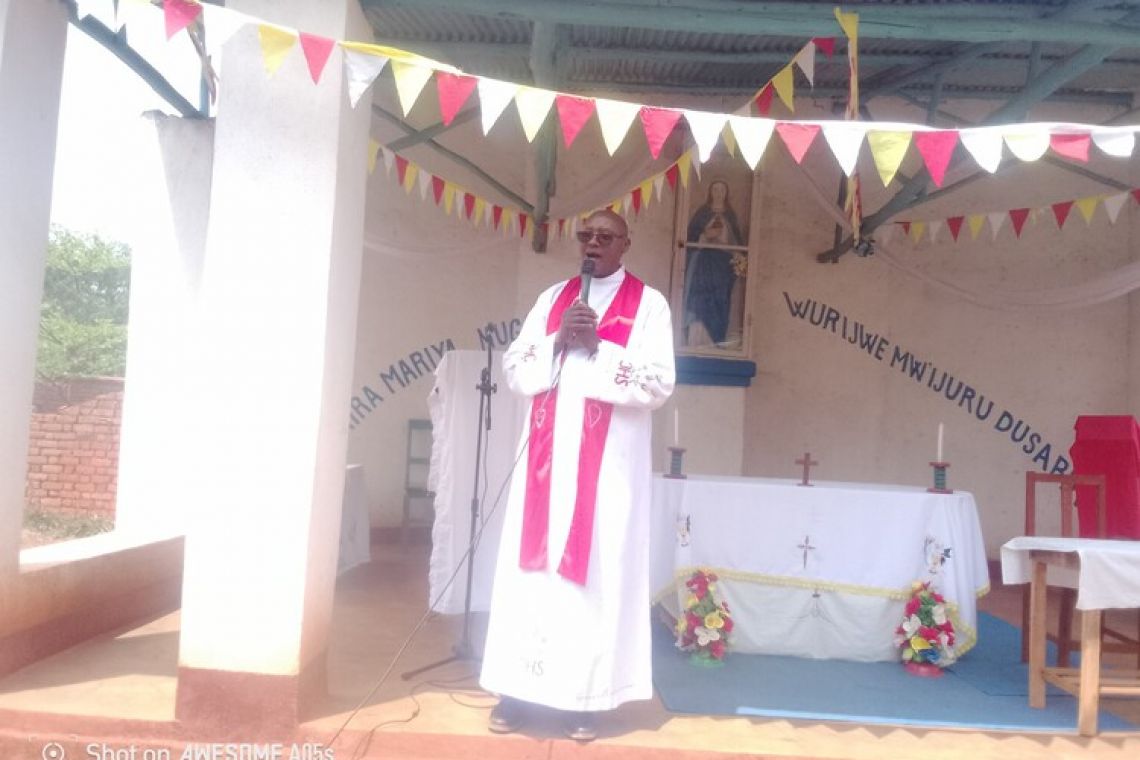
569,624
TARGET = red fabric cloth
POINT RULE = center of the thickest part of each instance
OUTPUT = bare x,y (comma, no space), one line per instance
1109,446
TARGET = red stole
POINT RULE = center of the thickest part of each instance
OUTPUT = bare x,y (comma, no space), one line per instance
615,326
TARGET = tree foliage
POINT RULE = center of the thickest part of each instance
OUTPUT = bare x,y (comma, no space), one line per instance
83,319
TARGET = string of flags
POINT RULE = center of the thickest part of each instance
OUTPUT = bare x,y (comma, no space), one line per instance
929,229
888,143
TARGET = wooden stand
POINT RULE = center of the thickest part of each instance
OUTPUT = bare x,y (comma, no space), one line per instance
940,478
676,455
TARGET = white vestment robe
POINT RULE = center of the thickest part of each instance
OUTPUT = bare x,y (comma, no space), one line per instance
550,640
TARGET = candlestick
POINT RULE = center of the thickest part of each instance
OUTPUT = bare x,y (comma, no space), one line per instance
940,478
675,456
676,426
939,457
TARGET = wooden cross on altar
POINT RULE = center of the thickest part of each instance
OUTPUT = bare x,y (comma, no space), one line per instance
807,547
808,463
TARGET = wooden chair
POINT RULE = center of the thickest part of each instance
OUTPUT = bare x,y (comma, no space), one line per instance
1119,642
415,476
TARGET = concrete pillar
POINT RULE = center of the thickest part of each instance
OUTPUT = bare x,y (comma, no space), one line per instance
33,34
166,275
269,411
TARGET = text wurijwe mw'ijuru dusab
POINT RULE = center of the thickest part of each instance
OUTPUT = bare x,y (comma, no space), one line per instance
420,363
940,381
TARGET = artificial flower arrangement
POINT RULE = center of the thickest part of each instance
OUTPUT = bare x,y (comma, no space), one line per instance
925,637
705,625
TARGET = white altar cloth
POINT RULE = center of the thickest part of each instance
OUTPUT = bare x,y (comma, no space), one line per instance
454,406
822,571
1109,574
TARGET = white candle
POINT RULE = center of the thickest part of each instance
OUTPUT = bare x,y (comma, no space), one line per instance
676,427
939,457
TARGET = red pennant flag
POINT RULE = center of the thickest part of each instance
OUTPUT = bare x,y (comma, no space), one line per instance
798,137
955,224
658,124
573,113
497,215
178,15
906,227
1136,194
437,184
1061,212
1075,147
317,50
764,99
673,172
522,224
468,204
401,169
826,44
936,148
561,228
1018,217
636,200
453,91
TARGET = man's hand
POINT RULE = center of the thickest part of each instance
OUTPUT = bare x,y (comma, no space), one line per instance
579,328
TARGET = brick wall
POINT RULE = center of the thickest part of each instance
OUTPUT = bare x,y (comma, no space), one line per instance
73,451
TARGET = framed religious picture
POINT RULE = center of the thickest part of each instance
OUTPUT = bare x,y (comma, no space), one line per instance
714,255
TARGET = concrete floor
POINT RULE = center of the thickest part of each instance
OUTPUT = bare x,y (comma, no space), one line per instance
118,691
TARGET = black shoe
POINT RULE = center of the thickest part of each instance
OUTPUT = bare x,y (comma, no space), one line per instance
507,716
580,726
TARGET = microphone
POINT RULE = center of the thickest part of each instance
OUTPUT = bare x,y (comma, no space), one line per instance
587,276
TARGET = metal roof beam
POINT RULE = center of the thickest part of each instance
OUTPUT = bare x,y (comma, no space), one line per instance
429,133
544,68
963,23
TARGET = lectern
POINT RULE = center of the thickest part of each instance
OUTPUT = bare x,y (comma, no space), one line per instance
1109,445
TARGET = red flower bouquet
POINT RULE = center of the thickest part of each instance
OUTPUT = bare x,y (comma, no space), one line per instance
705,625
926,636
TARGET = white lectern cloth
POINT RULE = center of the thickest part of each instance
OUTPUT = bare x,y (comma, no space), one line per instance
1109,575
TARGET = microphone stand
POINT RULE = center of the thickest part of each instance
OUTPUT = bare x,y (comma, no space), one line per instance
463,651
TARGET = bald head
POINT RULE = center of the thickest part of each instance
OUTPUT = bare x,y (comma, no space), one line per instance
612,216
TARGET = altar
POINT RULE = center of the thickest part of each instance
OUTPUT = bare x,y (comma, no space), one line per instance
821,571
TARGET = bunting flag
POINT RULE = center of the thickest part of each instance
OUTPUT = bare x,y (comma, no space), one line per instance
763,99
658,124
360,69
1027,146
410,80
276,43
494,97
888,149
317,50
373,150
573,113
1074,146
705,128
1019,218
936,148
805,59
752,135
845,139
785,85
453,91
798,136
826,44
221,24
984,145
179,14
533,105
615,117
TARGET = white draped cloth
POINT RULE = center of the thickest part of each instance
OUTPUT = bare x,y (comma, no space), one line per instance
550,640
1109,574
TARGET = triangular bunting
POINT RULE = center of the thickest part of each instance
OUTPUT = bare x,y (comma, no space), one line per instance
389,159
975,221
646,189
494,96
221,24
658,124
826,44
410,80
671,175
373,151
785,84
1113,204
179,14
426,180
916,230
437,185
729,140
798,137
1018,216
1115,142
448,197
905,227
888,149
635,200
1074,146
984,145
684,164
705,128
468,204
658,181
845,138
615,116
805,59
936,148
480,210
360,69
935,226
997,219
316,50
497,215
573,113
410,177
1027,146
954,224
275,45
401,169
1061,212
1087,207
453,91
533,104
752,135
764,99
849,23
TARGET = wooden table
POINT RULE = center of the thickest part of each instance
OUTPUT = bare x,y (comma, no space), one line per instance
1087,682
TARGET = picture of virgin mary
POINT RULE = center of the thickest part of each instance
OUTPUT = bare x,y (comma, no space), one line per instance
715,251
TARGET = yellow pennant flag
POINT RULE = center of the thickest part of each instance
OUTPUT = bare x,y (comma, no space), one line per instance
1087,207
785,84
888,149
533,104
410,177
448,196
976,221
849,22
477,213
683,165
729,139
917,229
275,45
373,151
410,81
646,188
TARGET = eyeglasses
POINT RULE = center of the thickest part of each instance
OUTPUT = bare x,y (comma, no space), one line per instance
604,237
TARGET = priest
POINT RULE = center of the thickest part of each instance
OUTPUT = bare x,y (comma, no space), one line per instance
569,623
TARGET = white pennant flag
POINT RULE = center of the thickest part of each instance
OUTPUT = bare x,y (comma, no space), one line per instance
805,59
1113,204
221,25
389,159
997,219
494,97
845,138
424,179
984,145
533,105
934,227
658,182
615,117
752,137
361,69
706,128
1027,146
1115,142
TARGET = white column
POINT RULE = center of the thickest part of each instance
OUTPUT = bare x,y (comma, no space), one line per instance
32,38
269,415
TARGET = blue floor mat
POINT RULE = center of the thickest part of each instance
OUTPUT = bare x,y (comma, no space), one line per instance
985,690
